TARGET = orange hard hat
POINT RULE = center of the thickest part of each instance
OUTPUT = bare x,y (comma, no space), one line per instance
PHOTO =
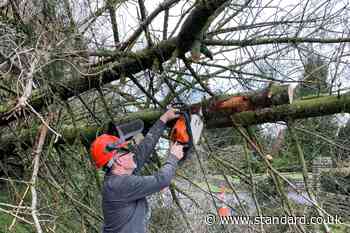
99,152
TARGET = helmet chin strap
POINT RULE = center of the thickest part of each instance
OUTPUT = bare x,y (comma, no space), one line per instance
110,163
133,158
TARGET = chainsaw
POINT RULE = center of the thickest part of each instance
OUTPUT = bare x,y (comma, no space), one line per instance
187,129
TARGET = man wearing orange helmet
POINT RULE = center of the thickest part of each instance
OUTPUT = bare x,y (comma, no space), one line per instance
124,203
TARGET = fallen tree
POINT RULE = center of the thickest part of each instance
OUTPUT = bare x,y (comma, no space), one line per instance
267,109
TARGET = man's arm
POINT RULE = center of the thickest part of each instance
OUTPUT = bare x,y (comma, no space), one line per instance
145,148
137,187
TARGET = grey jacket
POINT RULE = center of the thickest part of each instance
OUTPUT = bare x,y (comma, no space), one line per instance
123,197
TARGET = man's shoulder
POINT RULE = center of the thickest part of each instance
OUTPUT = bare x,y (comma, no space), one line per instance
121,188
112,181
121,182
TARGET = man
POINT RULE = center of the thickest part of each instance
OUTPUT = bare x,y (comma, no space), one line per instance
124,192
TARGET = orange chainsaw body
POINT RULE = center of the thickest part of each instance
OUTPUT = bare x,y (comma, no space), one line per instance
179,131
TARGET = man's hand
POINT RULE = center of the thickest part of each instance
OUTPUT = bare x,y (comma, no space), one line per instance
169,115
177,150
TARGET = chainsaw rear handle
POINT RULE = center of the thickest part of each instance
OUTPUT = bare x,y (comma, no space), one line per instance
184,145
179,107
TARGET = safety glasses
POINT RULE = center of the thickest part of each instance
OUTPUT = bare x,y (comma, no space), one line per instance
122,152
127,148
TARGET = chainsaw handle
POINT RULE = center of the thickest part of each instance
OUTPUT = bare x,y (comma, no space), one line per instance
178,105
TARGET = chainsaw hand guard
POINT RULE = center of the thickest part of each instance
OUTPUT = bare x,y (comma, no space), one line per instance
126,131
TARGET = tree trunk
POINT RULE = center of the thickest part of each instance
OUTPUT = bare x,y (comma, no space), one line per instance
312,107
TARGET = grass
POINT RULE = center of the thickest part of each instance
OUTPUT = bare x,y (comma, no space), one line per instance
5,222
339,228
6,219
258,176
235,180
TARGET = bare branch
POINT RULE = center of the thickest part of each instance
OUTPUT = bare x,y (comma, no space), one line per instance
113,17
278,40
36,154
165,5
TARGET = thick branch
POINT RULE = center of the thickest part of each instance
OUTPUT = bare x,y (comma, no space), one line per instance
299,109
196,22
36,153
145,59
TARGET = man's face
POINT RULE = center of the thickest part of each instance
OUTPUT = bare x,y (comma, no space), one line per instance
124,155
127,161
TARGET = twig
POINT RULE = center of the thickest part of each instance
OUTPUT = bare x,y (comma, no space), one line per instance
274,171
113,17
58,135
163,6
208,192
165,24
207,182
93,115
17,181
193,73
276,180
16,216
183,213
14,206
305,173
7,89
93,16
154,100
145,27
278,40
17,209
253,187
322,138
